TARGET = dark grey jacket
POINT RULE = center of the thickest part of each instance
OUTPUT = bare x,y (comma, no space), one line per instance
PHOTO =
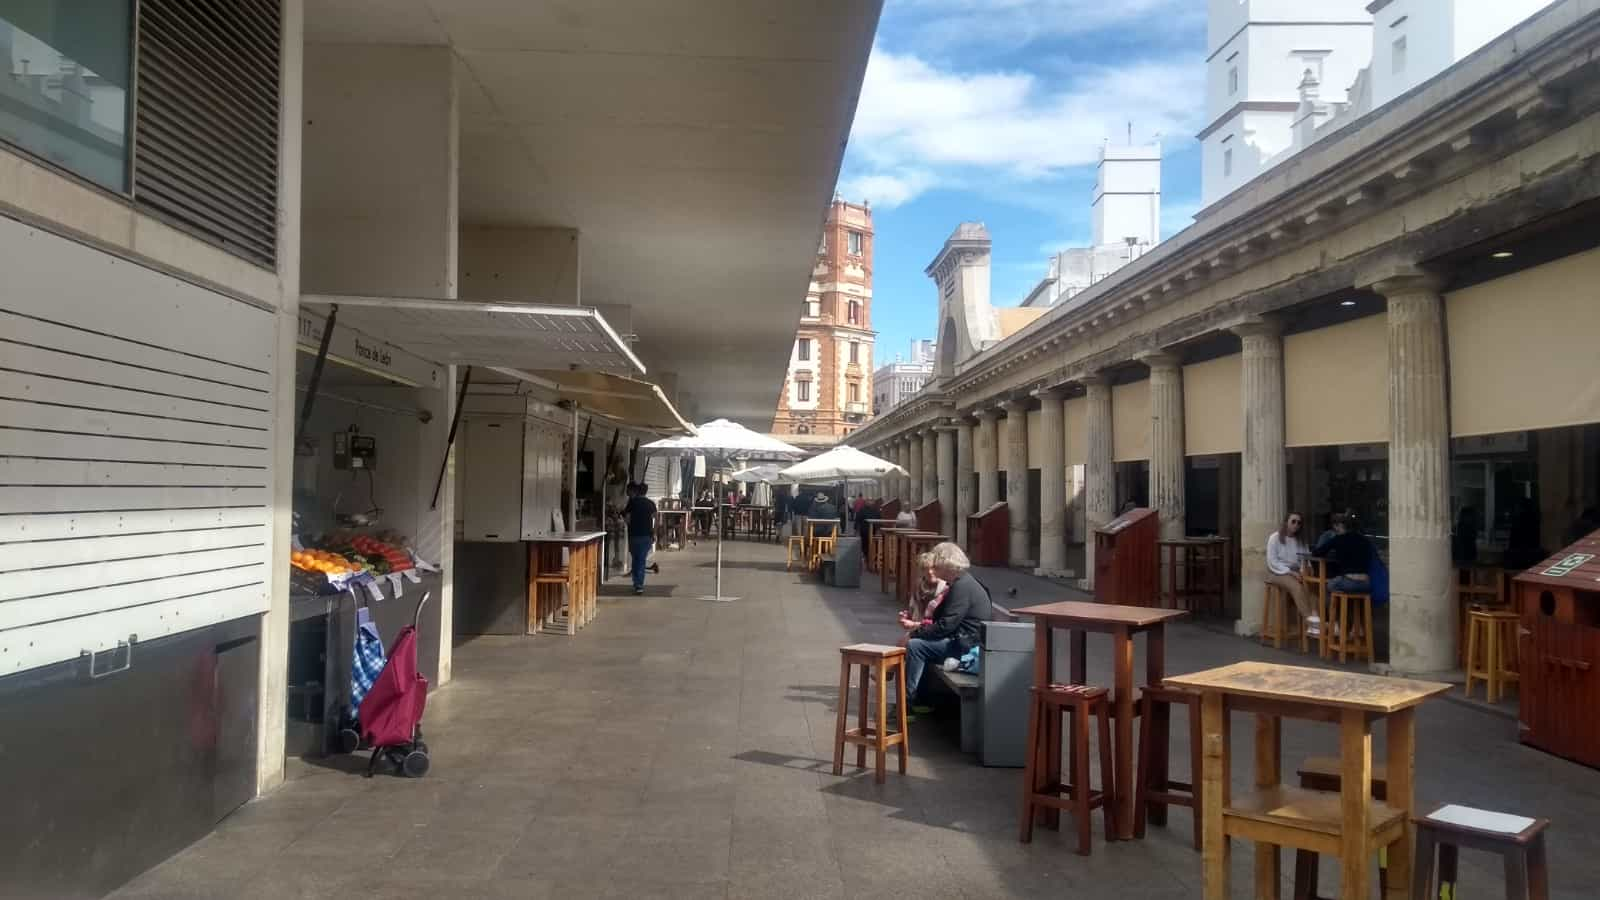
958,616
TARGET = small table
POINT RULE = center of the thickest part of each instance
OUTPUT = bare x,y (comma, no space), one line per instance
1350,825
1314,574
706,516
874,548
1199,560
577,578
1122,623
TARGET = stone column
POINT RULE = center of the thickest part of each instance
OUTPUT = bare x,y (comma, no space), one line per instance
1421,616
930,465
1099,472
1166,442
897,483
1052,483
1263,468
1016,465
914,453
945,470
986,455
966,495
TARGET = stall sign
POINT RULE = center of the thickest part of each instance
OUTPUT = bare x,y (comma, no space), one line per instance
1567,564
1363,452
1511,442
354,348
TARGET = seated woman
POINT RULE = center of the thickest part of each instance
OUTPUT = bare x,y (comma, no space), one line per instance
1285,550
925,599
951,627
1349,556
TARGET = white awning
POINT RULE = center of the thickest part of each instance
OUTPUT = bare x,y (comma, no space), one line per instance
522,336
626,401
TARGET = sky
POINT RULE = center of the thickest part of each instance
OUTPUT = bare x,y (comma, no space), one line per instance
995,111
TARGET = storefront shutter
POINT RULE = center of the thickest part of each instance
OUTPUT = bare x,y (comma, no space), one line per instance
136,473
1525,349
1130,421
1213,420
1336,384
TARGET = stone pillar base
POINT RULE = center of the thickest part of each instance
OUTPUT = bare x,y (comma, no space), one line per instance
1247,628
1056,573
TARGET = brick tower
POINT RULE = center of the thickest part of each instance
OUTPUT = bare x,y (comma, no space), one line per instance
828,389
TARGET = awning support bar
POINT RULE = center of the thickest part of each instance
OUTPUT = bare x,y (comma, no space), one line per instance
455,422
316,372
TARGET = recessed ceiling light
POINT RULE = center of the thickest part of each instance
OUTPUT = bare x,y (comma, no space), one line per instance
1502,254
1347,303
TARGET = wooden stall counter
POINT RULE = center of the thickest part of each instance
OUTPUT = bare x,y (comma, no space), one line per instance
563,581
1558,602
1125,565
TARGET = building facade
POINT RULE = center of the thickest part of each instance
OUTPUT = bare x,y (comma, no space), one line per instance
827,390
898,382
1126,216
1282,74
1401,325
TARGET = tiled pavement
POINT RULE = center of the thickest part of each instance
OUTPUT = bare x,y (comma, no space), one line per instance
681,748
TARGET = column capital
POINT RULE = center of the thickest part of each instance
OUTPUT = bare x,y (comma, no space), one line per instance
986,413
1257,326
1159,359
1014,406
1055,392
1094,379
1400,278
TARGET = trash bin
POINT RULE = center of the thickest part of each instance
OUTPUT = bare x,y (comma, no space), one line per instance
1007,675
846,568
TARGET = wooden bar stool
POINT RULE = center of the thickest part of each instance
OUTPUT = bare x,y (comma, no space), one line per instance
877,661
1321,773
1343,633
1044,729
1492,650
1155,788
1275,624
795,550
821,547
1517,839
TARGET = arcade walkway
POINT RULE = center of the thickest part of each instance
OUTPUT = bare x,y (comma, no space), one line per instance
680,748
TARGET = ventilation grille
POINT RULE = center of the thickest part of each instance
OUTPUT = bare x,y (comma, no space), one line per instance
206,122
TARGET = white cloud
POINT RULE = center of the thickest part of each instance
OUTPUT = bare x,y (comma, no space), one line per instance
938,25
887,190
919,125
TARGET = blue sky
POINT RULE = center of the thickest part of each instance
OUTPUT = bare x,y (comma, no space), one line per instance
994,111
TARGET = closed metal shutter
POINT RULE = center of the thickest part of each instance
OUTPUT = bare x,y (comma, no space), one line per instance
136,466
206,120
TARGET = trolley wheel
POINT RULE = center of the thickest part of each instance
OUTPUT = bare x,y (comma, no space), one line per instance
349,740
416,764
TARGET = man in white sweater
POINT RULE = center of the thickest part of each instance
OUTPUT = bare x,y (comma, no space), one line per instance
1285,553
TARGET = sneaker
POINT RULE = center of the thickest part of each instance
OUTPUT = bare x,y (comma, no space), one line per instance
1313,626
638,592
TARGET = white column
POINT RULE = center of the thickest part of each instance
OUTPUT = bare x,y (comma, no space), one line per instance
945,470
930,466
986,456
1016,464
966,494
897,453
1421,615
1166,442
1100,473
914,451
1264,465
387,224
1052,483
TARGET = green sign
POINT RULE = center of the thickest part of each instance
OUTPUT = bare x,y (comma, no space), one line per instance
1572,561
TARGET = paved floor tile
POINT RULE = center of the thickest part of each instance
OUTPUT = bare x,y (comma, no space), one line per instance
681,748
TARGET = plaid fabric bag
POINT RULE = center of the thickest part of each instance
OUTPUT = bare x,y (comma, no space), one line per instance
368,660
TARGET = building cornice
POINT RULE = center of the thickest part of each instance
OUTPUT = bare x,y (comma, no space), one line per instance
1244,106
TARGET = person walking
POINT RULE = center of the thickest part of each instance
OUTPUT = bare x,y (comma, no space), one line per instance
640,511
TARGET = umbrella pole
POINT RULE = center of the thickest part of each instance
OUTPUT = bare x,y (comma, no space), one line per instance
718,595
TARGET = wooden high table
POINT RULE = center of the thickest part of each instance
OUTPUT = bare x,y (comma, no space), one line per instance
1122,623
577,578
1350,824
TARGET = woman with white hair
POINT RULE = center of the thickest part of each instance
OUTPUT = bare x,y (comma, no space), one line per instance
953,628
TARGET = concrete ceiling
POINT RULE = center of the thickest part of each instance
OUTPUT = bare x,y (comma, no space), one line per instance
694,145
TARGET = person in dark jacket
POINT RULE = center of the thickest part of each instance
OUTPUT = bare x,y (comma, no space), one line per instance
1349,555
954,626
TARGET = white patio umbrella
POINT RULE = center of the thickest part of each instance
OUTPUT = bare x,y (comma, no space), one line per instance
766,473
728,440
844,463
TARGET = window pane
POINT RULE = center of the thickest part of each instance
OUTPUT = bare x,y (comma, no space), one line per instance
65,99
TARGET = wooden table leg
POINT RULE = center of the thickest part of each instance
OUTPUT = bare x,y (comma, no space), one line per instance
841,717
1155,651
1122,664
861,714
1355,789
1402,736
1215,795
881,729
1050,725
1269,766
531,623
